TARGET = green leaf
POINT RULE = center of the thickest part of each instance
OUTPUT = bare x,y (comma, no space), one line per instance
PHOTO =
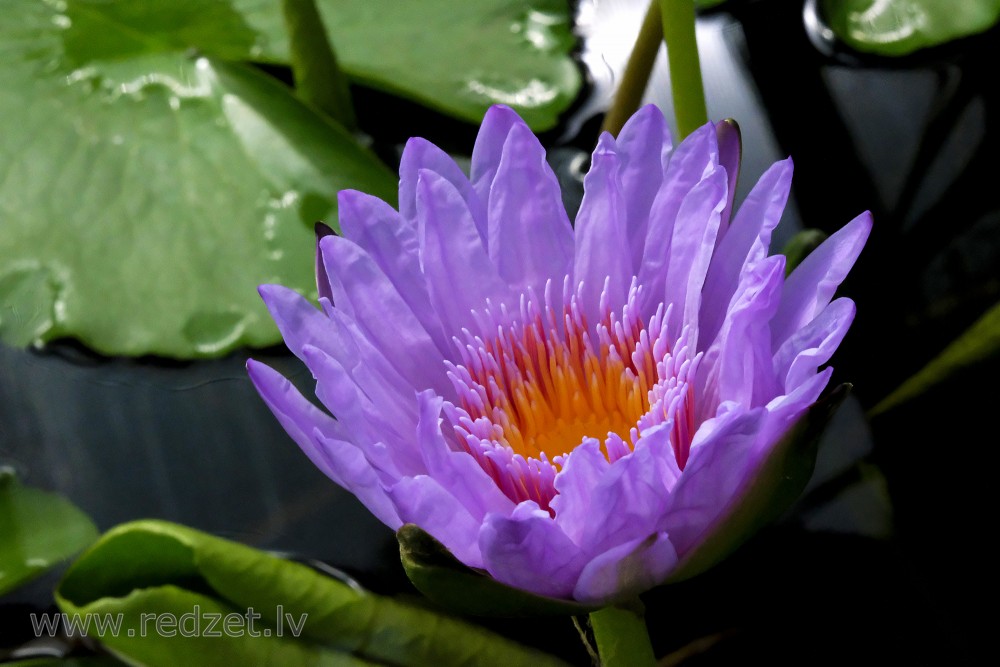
39,530
622,636
182,575
980,342
457,57
145,190
779,482
899,27
450,583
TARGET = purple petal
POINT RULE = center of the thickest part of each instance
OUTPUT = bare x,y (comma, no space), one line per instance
691,248
395,248
421,154
368,367
727,133
627,569
812,346
322,280
457,471
423,501
715,473
299,322
783,411
643,149
338,337
738,365
460,276
488,150
745,243
528,550
318,436
813,282
601,235
582,469
690,163
367,421
530,236
361,290
628,500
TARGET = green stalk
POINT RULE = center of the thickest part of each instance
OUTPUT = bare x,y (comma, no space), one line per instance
319,81
685,69
622,638
628,97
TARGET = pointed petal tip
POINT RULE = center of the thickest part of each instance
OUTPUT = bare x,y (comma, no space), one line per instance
345,198
731,122
253,367
865,219
418,153
414,143
647,113
322,229
606,144
729,129
644,115
428,180
521,134
269,291
314,356
260,374
855,233
500,111
648,109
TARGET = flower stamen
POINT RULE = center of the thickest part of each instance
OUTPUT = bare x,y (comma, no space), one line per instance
542,383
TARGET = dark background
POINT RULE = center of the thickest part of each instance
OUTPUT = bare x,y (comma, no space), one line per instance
882,558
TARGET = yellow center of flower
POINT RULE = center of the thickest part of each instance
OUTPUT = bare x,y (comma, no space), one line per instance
542,383
550,390
545,381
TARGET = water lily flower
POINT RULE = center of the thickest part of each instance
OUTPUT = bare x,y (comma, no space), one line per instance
572,408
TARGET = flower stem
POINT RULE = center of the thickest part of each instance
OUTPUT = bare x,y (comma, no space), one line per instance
685,70
622,638
628,97
318,78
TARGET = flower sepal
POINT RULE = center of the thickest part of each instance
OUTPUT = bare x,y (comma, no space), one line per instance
775,487
453,585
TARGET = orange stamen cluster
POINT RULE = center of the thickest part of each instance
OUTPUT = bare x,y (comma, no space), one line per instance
544,383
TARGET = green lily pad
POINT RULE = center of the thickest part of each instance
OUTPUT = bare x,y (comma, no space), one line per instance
899,27
980,342
39,530
147,186
166,583
457,57
778,483
450,583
